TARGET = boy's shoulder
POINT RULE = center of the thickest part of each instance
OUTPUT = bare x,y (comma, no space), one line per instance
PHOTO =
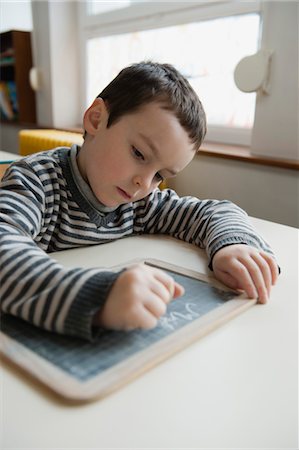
45,161
55,155
44,165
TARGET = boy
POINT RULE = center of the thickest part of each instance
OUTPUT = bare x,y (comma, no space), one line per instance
146,125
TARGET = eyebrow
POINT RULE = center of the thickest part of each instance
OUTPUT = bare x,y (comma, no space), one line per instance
155,150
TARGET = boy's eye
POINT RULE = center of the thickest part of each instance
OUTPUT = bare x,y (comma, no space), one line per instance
137,153
159,177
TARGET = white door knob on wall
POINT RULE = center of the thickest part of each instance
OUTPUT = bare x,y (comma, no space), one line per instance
252,73
35,78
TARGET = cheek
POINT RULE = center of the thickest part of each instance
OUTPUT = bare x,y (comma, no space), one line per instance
107,169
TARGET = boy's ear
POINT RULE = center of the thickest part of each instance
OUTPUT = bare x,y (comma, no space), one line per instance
95,115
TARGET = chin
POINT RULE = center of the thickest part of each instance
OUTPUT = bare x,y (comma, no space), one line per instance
109,204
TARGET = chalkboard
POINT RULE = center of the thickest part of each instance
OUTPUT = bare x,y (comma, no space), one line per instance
81,370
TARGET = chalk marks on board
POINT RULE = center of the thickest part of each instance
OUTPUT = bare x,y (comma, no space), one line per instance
170,320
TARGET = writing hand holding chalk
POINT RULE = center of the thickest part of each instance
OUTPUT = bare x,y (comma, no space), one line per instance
138,298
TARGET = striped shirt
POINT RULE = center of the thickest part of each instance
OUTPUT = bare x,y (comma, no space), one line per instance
45,208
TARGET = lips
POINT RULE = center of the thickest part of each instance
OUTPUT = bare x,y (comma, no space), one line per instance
124,194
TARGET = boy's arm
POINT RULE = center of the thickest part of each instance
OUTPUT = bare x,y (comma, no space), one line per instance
239,257
33,286
209,224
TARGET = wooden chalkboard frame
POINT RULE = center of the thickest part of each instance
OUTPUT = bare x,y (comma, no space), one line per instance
123,372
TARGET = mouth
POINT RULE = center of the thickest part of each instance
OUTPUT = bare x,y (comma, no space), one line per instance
123,194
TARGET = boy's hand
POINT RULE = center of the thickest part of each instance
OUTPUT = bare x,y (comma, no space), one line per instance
243,267
138,298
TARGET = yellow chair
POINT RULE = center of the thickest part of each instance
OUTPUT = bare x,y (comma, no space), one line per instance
33,141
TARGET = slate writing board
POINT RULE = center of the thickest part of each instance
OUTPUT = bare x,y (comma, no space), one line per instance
81,370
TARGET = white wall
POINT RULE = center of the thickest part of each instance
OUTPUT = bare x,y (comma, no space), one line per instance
15,15
275,129
55,54
269,193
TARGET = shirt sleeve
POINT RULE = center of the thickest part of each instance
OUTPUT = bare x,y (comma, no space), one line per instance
209,224
33,286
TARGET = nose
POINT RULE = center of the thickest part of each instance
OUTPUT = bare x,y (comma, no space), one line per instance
142,181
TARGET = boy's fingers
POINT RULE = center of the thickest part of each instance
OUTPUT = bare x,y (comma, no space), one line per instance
272,264
173,288
142,318
250,270
159,289
227,279
265,270
254,281
244,278
178,290
155,305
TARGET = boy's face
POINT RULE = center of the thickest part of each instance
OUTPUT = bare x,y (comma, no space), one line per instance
128,160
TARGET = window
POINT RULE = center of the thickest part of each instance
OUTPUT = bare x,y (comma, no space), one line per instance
100,7
205,51
210,50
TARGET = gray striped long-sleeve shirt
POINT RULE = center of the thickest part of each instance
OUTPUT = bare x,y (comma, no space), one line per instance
43,209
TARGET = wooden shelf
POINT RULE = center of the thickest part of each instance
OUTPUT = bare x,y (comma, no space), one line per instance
19,42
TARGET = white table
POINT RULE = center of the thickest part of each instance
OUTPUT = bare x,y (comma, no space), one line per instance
5,159
7,156
235,388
